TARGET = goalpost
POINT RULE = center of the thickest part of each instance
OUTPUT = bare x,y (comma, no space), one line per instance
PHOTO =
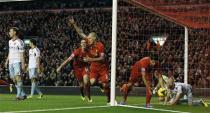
185,55
113,52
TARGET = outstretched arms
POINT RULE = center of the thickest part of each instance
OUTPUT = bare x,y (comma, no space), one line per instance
79,31
65,62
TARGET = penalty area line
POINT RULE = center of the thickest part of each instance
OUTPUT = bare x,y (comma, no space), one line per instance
56,109
155,109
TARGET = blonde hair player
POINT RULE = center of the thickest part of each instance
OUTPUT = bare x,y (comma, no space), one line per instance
180,90
99,67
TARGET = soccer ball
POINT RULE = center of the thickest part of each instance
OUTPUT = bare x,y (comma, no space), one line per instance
161,92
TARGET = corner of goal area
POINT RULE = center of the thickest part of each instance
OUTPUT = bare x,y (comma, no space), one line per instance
153,109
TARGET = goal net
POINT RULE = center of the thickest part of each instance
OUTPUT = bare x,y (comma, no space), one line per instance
173,32
177,31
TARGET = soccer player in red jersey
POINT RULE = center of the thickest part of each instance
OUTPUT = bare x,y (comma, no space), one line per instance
81,69
140,69
98,68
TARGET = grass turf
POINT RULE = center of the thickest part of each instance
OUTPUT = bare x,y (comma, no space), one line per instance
8,103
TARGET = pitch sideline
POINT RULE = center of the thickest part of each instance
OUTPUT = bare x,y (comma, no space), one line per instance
90,107
57,109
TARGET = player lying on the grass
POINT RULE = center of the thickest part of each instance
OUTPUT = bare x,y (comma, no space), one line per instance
140,69
180,90
34,68
99,67
81,69
16,61
161,91
3,82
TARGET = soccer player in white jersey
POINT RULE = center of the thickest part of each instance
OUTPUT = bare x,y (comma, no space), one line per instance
34,68
16,61
180,90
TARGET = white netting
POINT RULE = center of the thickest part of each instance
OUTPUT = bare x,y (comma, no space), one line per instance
140,28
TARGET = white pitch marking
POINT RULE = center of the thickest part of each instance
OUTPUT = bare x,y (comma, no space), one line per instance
58,109
153,109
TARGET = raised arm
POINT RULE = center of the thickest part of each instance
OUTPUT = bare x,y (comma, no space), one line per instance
79,31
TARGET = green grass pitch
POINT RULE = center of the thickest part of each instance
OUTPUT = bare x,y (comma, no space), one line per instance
73,104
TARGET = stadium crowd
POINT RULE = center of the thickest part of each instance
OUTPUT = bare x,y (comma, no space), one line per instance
135,29
56,4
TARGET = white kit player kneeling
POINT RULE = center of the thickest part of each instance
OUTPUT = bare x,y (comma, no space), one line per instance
179,90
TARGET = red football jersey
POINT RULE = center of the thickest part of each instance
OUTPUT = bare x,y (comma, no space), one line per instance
79,55
145,62
95,51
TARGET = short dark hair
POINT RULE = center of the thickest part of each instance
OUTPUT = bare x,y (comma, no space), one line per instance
33,41
16,29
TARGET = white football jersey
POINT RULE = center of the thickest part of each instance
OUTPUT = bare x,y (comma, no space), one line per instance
33,55
16,47
182,88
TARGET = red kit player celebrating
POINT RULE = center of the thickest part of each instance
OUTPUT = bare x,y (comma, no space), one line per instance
81,69
140,69
98,68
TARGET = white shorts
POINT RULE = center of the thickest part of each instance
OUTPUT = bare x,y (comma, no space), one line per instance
14,69
33,73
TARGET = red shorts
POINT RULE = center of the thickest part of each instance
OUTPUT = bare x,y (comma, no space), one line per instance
80,72
135,74
99,73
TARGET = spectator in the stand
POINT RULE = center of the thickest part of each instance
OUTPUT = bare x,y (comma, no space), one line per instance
134,29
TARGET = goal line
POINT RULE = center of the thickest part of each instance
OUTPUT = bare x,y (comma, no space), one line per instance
155,109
